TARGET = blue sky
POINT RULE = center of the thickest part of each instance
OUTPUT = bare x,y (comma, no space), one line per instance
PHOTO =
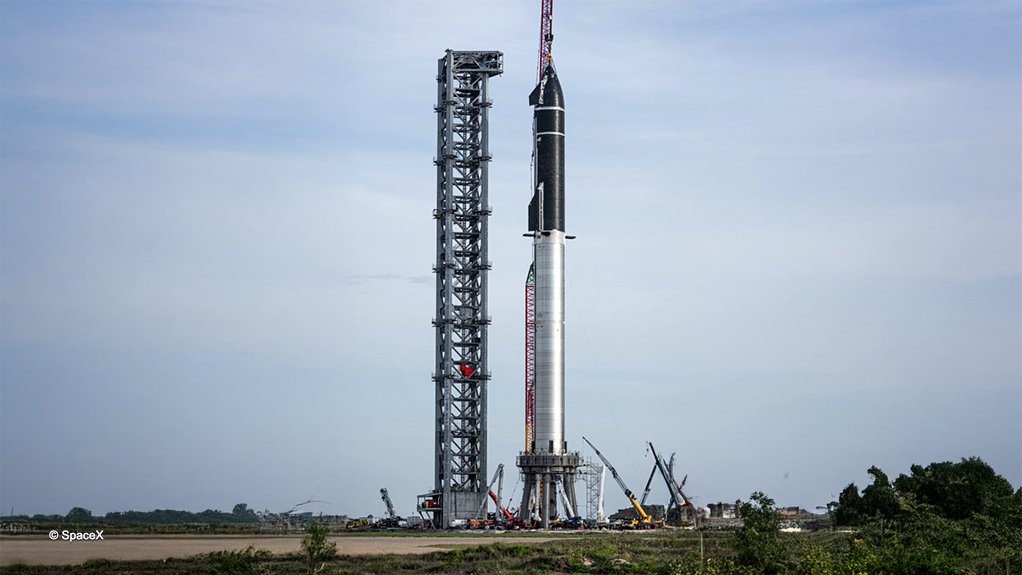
799,253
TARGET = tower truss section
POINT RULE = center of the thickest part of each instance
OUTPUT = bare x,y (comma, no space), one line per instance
530,358
594,477
461,372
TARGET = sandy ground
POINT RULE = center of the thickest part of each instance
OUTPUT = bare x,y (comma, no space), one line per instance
39,550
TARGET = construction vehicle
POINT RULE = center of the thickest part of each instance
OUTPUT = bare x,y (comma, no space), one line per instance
359,523
391,520
507,516
644,521
504,516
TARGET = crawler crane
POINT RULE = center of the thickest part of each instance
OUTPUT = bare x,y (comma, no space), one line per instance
644,521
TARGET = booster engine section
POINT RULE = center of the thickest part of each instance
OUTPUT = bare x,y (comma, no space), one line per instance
548,251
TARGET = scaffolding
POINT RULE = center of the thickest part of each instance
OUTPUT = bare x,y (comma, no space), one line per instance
461,373
594,476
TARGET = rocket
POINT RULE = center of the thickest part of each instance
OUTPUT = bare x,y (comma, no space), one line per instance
547,465
546,222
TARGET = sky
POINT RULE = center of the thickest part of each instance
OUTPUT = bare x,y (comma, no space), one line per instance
799,246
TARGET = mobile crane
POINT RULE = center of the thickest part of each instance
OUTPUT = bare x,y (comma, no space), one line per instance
500,492
392,520
505,515
644,520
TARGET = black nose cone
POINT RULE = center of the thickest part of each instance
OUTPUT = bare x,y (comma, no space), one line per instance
546,210
548,91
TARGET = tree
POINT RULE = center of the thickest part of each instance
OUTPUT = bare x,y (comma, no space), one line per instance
956,490
315,546
849,506
944,518
240,509
79,515
880,499
759,541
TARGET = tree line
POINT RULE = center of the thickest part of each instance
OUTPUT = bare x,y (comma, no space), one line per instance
80,515
948,518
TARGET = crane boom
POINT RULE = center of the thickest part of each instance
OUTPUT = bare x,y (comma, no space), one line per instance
569,511
390,505
644,517
677,495
482,506
503,510
649,485
530,356
671,486
546,35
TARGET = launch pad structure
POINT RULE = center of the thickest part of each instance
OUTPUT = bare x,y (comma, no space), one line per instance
460,371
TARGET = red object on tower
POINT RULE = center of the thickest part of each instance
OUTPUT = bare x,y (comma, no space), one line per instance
546,35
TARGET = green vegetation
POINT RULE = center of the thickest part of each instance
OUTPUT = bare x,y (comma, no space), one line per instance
759,542
241,514
245,562
315,547
665,552
943,519
79,515
241,520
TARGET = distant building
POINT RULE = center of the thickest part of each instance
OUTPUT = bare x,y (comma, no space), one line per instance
795,512
723,510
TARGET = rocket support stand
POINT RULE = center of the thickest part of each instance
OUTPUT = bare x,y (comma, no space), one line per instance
542,472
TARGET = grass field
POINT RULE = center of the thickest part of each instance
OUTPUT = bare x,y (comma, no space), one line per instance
677,552
40,550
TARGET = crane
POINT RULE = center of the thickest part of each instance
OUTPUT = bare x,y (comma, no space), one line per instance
670,471
644,519
499,474
392,519
649,485
546,56
503,510
530,356
390,505
546,35
500,493
677,496
569,511
306,502
652,474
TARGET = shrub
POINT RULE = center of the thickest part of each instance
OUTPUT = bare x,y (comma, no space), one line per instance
237,562
316,548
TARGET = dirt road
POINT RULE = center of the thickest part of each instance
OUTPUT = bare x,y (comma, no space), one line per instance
39,550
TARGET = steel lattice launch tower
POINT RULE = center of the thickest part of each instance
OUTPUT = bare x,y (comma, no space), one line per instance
547,465
461,371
